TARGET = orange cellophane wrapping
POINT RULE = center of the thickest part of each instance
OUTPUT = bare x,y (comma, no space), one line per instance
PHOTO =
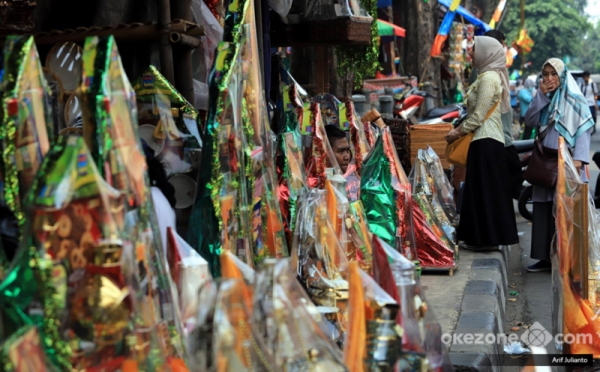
578,316
229,270
332,208
273,227
355,346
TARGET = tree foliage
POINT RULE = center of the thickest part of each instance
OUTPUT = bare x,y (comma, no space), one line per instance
557,27
589,57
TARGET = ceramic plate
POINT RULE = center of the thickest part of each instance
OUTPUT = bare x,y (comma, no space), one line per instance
146,132
185,188
64,60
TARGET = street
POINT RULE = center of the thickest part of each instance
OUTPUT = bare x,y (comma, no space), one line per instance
530,293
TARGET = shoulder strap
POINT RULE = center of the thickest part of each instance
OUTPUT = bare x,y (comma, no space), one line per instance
491,110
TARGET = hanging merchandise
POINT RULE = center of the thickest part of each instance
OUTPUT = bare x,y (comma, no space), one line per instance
26,126
457,53
524,42
110,131
576,260
442,34
497,13
386,195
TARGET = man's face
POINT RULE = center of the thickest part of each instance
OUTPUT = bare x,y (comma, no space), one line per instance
341,150
586,79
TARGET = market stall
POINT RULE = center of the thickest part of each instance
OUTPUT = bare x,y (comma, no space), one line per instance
288,259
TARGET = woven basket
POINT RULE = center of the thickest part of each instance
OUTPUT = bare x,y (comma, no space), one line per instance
17,16
400,130
432,135
346,29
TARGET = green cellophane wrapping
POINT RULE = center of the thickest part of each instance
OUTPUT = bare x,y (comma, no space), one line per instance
26,126
110,130
377,194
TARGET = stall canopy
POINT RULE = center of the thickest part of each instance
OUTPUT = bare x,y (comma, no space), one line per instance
389,29
468,16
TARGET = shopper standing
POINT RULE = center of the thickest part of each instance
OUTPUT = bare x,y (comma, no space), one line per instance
558,97
487,217
589,90
525,98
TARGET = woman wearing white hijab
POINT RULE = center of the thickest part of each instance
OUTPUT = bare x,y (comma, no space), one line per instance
558,109
487,218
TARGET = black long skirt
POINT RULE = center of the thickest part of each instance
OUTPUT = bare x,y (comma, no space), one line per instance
543,230
487,215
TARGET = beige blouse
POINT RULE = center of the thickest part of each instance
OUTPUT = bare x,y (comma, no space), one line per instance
480,98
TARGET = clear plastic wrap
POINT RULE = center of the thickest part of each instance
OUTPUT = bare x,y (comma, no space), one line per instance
26,126
321,260
110,131
168,123
575,263
373,337
23,352
189,272
426,196
323,163
292,326
76,229
422,331
213,33
323,10
443,186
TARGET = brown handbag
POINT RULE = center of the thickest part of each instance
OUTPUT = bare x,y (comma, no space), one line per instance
458,151
542,169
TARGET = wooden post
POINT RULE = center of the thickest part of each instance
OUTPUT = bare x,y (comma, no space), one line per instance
182,53
322,70
164,48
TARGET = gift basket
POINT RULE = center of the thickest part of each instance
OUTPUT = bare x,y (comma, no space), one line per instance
293,327
110,130
27,127
575,261
374,339
321,260
236,207
89,282
386,195
426,196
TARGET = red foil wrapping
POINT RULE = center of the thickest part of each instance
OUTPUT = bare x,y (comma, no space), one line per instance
432,252
358,159
319,155
369,134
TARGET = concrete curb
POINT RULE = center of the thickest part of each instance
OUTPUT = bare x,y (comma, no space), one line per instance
482,314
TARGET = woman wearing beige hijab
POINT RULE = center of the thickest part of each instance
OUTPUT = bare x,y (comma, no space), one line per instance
487,218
